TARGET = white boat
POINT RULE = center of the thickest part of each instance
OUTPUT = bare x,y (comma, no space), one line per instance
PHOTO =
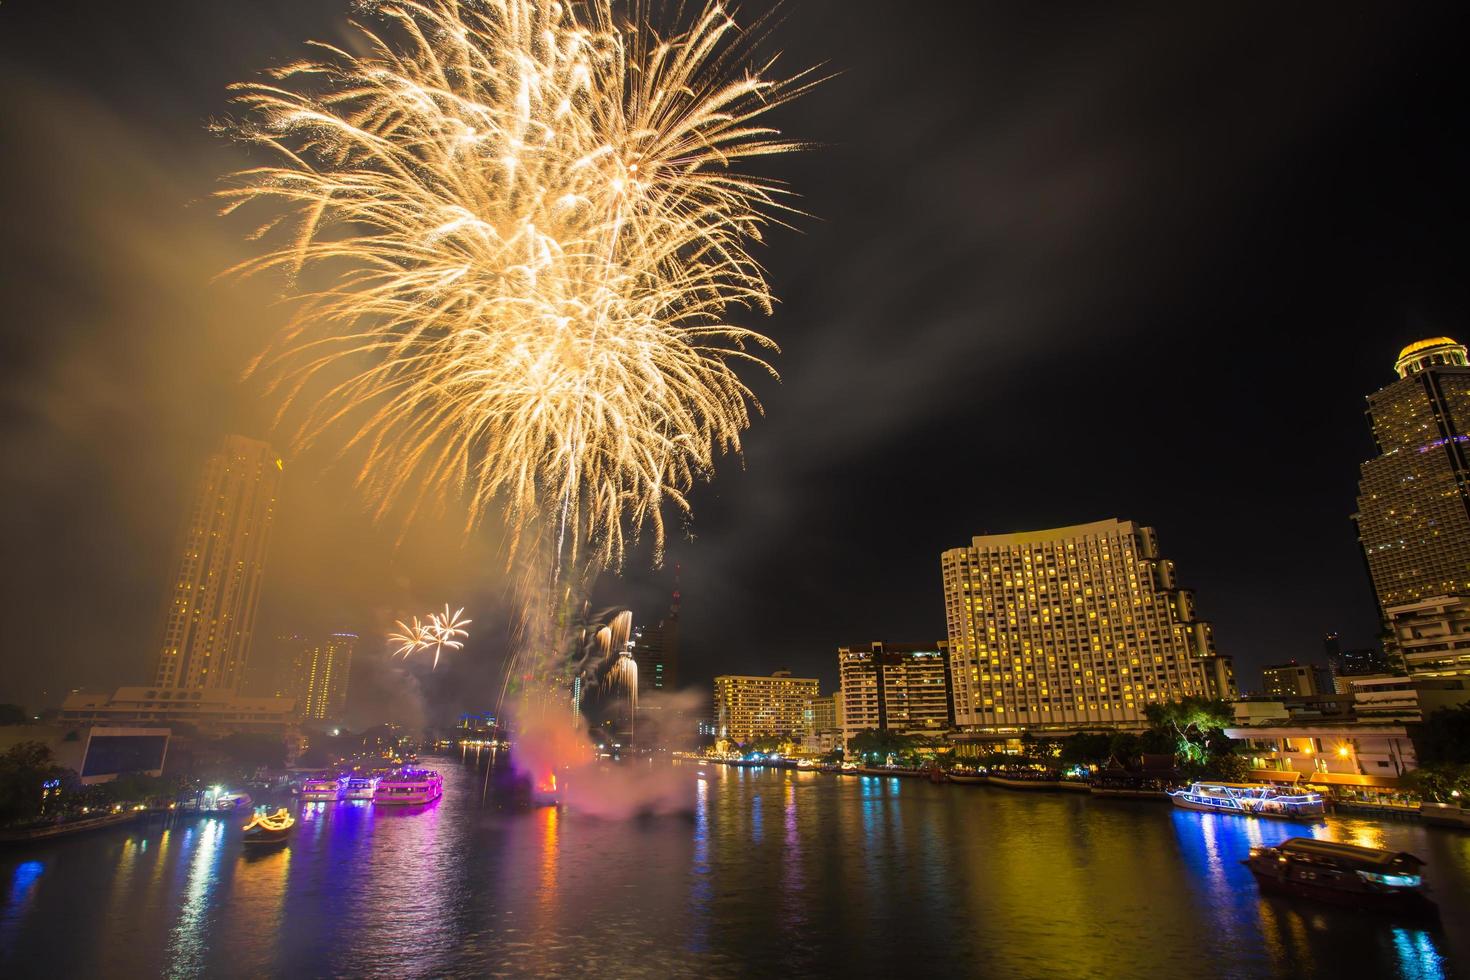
322,790
361,788
1249,799
409,787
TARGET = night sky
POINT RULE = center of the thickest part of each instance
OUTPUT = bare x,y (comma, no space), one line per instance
1062,265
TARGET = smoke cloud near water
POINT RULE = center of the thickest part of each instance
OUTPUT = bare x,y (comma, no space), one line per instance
549,743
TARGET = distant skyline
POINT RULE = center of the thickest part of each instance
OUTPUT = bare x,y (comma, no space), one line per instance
1065,269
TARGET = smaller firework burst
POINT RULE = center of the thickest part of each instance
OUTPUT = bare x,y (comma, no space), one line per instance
436,632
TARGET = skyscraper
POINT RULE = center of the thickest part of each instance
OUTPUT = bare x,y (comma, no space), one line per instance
322,673
216,584
1070,627
1414,497
656,651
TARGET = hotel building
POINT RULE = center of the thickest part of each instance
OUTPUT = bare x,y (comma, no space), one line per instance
1414,497
1433,636
897,687
747,706
216,583
1072,627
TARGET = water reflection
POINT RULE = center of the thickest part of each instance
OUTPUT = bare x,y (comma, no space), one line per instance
858,876
189,935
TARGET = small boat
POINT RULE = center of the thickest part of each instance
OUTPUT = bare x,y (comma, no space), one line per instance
409,787
806,764
1346,874
360,788
269,828
1032,779
1445,815
231,801
1249,799
969,778
1131,785
323,790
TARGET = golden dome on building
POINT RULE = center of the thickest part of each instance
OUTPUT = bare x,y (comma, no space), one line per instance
1433,352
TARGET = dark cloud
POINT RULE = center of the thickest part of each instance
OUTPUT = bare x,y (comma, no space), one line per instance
1061,265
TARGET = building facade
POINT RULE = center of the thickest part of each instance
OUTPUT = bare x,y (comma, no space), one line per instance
747,706
1414,497
656,651
897,687
823,723
1433,636
322,674
1071,627
210,710
216,584
1295,680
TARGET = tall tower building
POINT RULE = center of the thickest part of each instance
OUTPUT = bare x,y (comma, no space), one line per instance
1414,497
656,650
1071,627
322,672
216,584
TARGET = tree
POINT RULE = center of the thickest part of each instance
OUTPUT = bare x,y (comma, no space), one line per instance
1195,725
879,744
24,772
1442,782
1086,749
13,714
1445,738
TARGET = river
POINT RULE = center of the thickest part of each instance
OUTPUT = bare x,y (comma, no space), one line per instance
776,873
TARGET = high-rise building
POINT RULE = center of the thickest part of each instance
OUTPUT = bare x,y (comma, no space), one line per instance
1292,680
656,651
1433,636
313,670
322,676
216,584
1414,497
1071,627
747,706
897,687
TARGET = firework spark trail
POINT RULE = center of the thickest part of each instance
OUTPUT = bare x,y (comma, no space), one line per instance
436,632
531,227
518,230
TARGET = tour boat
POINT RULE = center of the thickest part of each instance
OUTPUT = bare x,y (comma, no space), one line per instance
360,788
409,787
1347,874
1249,799
269,828
322,790
228,800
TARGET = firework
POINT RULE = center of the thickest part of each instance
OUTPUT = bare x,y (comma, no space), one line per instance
436,632
524,226
446,631
409,638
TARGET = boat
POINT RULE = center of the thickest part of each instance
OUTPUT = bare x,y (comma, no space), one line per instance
60,828
1445,815
360,788
1130,785
323,790
269,828
1032,779
968,778
1249,799
1346,874
889,771
409,787
228,800
806,764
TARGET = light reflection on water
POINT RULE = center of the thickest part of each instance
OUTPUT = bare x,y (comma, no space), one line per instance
864,876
